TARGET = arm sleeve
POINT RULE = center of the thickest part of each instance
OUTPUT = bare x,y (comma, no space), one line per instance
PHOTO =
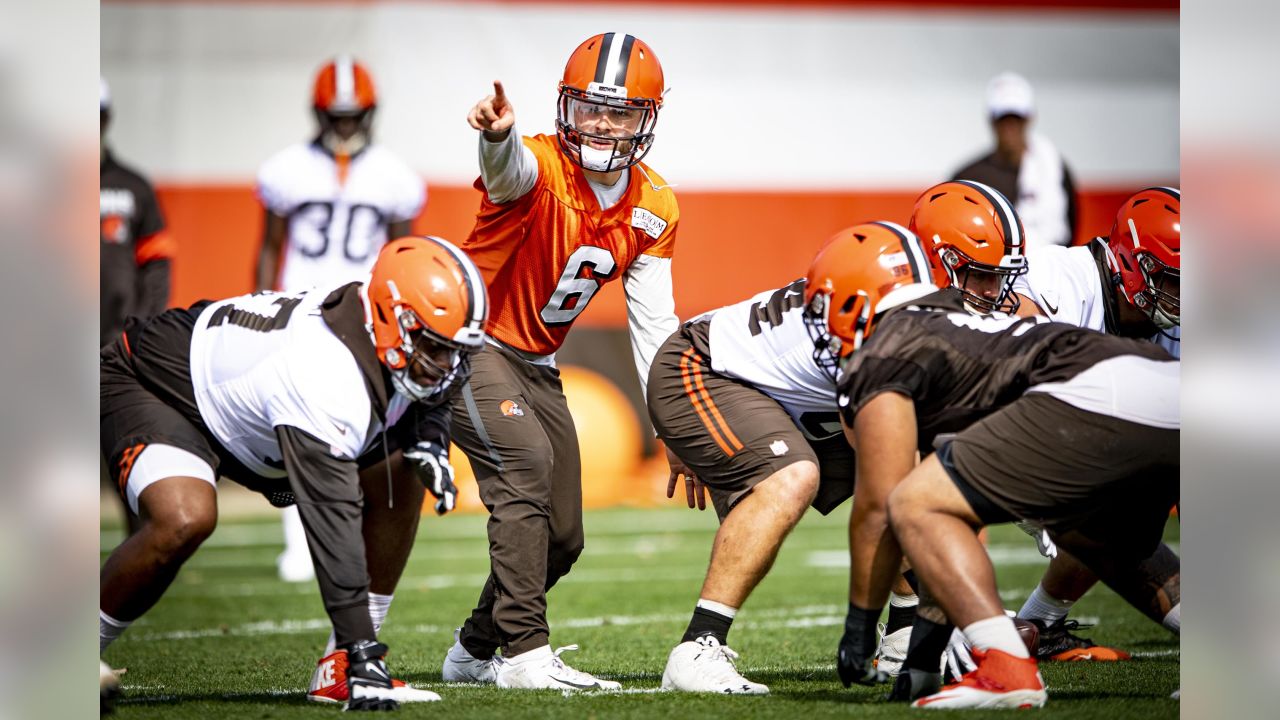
432,424
651,310
508,169
327,489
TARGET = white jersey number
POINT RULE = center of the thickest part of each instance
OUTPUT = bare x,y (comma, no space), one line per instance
573,292
313,229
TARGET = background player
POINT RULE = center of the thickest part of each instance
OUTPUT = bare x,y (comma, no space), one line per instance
559,217
136,253
329,205
292,395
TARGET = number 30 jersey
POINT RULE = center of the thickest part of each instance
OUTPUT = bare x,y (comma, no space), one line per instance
336,226
270,359
763,342
545,254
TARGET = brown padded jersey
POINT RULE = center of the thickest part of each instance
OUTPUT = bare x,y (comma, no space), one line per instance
958,368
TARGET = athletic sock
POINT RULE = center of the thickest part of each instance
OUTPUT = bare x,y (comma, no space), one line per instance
1044,607
710,618
378,607
109,629
928,641
1173,620
996,633
902,610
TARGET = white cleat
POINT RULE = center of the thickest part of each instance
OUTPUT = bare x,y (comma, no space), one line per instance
892,651
543,669
704,665
463,667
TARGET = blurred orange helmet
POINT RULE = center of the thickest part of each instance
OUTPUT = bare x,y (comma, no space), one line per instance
428,306
849,281
343,87
1145,253
609,100
975,242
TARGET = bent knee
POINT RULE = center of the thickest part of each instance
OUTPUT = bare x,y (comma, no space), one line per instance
798,482
180,533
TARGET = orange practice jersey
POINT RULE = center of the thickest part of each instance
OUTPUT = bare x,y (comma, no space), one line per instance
544,255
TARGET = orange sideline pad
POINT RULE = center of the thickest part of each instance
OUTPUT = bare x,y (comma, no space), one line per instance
730,246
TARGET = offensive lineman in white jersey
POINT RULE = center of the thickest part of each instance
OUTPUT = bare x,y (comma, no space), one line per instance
742,398
330,205
328,398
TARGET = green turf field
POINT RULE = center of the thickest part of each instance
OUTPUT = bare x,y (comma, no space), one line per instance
230,640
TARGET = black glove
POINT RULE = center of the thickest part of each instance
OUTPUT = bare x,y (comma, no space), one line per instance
856,656
368,680
431,461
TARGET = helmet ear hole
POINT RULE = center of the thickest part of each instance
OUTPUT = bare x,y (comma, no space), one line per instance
848,305
1125,259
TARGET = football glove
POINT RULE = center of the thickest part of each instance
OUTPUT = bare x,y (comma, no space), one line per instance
431,461
368,680
856,665
1044,543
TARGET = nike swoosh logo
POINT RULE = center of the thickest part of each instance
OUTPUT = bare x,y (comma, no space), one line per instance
1052,310
570,683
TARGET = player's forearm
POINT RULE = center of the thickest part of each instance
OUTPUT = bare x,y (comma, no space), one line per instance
507,168
874,554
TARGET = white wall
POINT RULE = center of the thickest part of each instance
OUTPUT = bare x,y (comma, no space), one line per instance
760,98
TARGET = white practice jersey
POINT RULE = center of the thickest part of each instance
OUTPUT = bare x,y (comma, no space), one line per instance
336,228
269,359
1065,283
763,342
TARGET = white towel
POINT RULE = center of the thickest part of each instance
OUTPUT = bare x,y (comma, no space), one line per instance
1042,202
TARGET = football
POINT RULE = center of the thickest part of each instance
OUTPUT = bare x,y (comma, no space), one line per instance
1029,633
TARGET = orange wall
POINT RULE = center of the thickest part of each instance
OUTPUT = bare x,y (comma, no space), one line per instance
731,244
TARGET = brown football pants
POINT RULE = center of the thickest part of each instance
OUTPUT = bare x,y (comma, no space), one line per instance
513,422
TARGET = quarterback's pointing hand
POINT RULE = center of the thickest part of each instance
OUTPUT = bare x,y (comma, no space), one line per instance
493,114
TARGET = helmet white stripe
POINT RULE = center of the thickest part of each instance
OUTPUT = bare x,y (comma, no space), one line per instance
1172,191
1008,217
914,248
344,78
473,277
614,57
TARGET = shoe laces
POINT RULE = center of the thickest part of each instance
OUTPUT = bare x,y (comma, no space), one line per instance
720,660
574,674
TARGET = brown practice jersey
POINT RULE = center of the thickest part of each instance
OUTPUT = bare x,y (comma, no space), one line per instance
546,254
958,367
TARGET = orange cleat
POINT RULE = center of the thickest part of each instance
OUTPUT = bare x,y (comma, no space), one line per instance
1001,681
329,683
1059,644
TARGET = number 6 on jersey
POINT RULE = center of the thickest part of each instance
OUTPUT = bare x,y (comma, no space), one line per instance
574,290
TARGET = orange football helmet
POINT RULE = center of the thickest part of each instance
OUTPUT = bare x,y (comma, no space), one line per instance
1144,252
343,88
849,281
609,100
975,242
427,306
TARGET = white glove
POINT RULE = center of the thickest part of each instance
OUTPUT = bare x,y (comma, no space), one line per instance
431,461
1043,542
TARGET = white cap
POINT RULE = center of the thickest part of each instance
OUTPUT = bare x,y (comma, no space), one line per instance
1010,94
104,94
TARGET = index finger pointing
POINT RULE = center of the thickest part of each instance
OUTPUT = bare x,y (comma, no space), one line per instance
499,95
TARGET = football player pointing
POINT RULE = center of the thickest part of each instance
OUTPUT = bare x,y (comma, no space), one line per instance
559,217
293,395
